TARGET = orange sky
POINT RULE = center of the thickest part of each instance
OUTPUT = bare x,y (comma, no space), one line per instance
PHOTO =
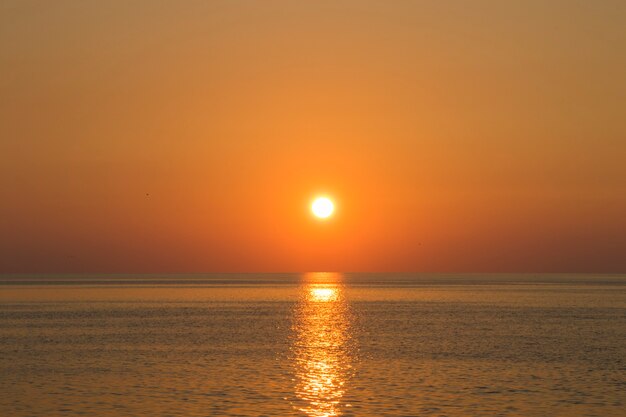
453,136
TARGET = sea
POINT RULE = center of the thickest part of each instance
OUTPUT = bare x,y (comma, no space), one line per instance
315,344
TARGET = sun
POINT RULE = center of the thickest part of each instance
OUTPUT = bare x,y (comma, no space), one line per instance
322,207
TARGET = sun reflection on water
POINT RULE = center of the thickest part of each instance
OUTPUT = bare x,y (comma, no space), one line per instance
323,294
322,347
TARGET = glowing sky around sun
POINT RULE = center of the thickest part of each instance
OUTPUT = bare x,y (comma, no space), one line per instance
154,136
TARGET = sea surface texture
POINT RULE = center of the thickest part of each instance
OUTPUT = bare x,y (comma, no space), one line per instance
318,344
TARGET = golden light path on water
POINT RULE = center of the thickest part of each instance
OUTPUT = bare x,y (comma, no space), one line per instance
323,352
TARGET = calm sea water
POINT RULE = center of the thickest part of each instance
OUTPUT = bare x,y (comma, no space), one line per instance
313,345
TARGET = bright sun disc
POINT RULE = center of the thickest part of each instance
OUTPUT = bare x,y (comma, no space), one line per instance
322,207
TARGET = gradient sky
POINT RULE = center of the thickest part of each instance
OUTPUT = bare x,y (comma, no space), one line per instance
191,136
